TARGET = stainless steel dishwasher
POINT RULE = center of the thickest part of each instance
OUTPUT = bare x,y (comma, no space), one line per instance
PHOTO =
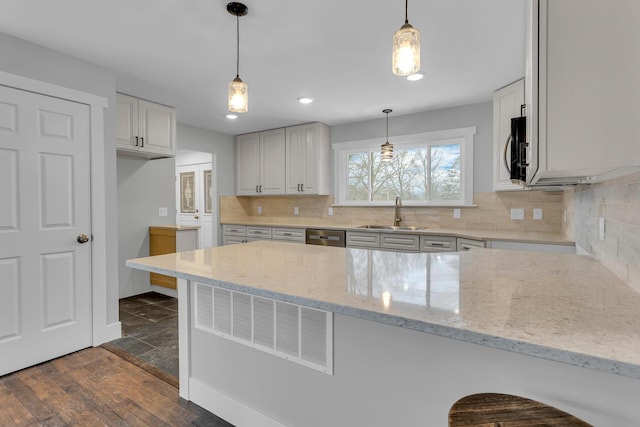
324,237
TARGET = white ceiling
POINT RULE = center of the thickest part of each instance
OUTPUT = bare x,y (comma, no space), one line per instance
182,53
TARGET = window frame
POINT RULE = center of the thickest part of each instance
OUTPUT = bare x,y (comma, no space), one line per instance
464,136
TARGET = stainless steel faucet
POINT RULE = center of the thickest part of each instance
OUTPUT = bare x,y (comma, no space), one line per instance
397,219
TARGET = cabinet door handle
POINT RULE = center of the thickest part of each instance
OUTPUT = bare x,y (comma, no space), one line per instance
506,147
137,141
256,188
301,187
142,140
261,188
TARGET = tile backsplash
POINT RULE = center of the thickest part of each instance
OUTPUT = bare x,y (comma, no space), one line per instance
617,202
493,212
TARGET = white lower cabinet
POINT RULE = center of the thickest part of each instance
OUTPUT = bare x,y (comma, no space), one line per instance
295,235
466,244
232,234
437,244
403,242
361,239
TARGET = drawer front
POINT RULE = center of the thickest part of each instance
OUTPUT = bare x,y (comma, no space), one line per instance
366,240
261,232
466,244
234,230
403,242
437,244
232,240
289,234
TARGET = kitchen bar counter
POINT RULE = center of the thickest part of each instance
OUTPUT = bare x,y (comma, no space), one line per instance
411,333
564,308
506,236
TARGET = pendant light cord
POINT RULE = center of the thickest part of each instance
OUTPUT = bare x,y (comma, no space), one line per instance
238,45
387,127
406,11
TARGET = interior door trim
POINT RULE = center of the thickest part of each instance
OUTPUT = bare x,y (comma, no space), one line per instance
102,331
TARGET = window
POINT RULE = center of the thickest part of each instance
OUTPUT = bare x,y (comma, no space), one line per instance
434,168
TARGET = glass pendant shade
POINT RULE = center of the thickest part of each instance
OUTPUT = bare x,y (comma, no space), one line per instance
406,51
386,152
238,96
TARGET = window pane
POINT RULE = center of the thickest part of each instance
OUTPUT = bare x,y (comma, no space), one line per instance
358,176
445,172
406,175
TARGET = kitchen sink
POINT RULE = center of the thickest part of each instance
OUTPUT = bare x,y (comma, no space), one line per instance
391,227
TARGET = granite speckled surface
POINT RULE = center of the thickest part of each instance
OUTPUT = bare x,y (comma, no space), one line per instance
564,308
507,236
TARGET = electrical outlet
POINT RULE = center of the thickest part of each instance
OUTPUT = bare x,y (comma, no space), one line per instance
330,211
601,228
296,210
456,214
259,210
537,213
517,213
162,212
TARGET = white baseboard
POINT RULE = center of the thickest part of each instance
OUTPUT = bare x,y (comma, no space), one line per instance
107,333
227,408
165,291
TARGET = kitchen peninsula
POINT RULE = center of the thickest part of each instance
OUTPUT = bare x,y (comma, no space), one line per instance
407,334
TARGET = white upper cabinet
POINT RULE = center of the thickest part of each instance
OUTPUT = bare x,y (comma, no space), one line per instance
293,160
506,105
588,94
307,159
144,129
260,163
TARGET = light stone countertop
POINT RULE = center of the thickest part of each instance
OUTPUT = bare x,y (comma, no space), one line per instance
507,236
565,308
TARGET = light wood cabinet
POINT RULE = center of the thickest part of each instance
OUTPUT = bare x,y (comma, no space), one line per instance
260,163
506,105
170,239
144,129
307,159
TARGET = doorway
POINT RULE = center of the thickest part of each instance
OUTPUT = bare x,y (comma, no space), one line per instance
196,200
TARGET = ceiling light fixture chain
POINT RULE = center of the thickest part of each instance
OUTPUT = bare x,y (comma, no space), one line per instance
238,99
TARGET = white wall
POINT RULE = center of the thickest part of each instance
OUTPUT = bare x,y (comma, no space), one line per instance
478,115
30,60
144,186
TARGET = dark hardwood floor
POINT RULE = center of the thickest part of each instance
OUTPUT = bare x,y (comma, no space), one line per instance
95,387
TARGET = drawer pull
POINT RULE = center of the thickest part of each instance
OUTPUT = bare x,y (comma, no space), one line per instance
286,234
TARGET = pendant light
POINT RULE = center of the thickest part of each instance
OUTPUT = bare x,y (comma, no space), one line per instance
406,48
386,149
238,90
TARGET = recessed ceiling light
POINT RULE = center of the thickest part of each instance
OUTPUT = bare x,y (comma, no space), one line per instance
231,116
416,76
305,100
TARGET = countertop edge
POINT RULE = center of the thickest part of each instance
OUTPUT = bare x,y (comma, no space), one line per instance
527,349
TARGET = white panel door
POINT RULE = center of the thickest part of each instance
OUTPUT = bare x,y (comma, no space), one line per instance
195,200
45,276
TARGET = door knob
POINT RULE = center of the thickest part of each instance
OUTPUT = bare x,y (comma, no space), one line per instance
82,238
196,217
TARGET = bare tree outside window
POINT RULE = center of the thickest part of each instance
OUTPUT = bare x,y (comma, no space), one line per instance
418,173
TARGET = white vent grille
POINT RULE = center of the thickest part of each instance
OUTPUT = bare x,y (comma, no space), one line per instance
300,334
